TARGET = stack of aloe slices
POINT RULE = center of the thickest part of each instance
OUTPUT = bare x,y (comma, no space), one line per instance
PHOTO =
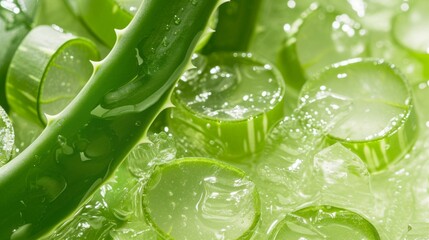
258,174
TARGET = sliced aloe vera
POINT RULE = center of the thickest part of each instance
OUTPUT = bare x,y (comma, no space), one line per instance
324,222
198,198
410,30
319,38
41,79
378,123
229,102
382,45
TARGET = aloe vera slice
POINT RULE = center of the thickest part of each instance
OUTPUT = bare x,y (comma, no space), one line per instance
382,45
324,222
410,30
378,122
318,39
230,101
41,79
198,198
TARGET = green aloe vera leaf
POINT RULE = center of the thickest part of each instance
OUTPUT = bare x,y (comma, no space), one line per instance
55,55
83,144
324,222
199,198
235,26
228,104
378,123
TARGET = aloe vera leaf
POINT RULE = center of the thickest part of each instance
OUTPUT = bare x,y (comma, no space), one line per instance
80,148
236,25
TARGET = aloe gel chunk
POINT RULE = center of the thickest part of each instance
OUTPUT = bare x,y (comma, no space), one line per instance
7,137
197,198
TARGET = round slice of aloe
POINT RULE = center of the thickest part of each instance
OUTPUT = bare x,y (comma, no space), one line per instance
410,30
324,222
378,122
318,39
198,198
382,45
42,79
228,103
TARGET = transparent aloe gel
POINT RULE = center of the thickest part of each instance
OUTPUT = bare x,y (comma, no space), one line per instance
374,15
227,104
302,55
198,198
380,125
324,222
300,169
286,165
7,137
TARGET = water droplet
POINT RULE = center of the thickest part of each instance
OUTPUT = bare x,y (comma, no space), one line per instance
177,20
